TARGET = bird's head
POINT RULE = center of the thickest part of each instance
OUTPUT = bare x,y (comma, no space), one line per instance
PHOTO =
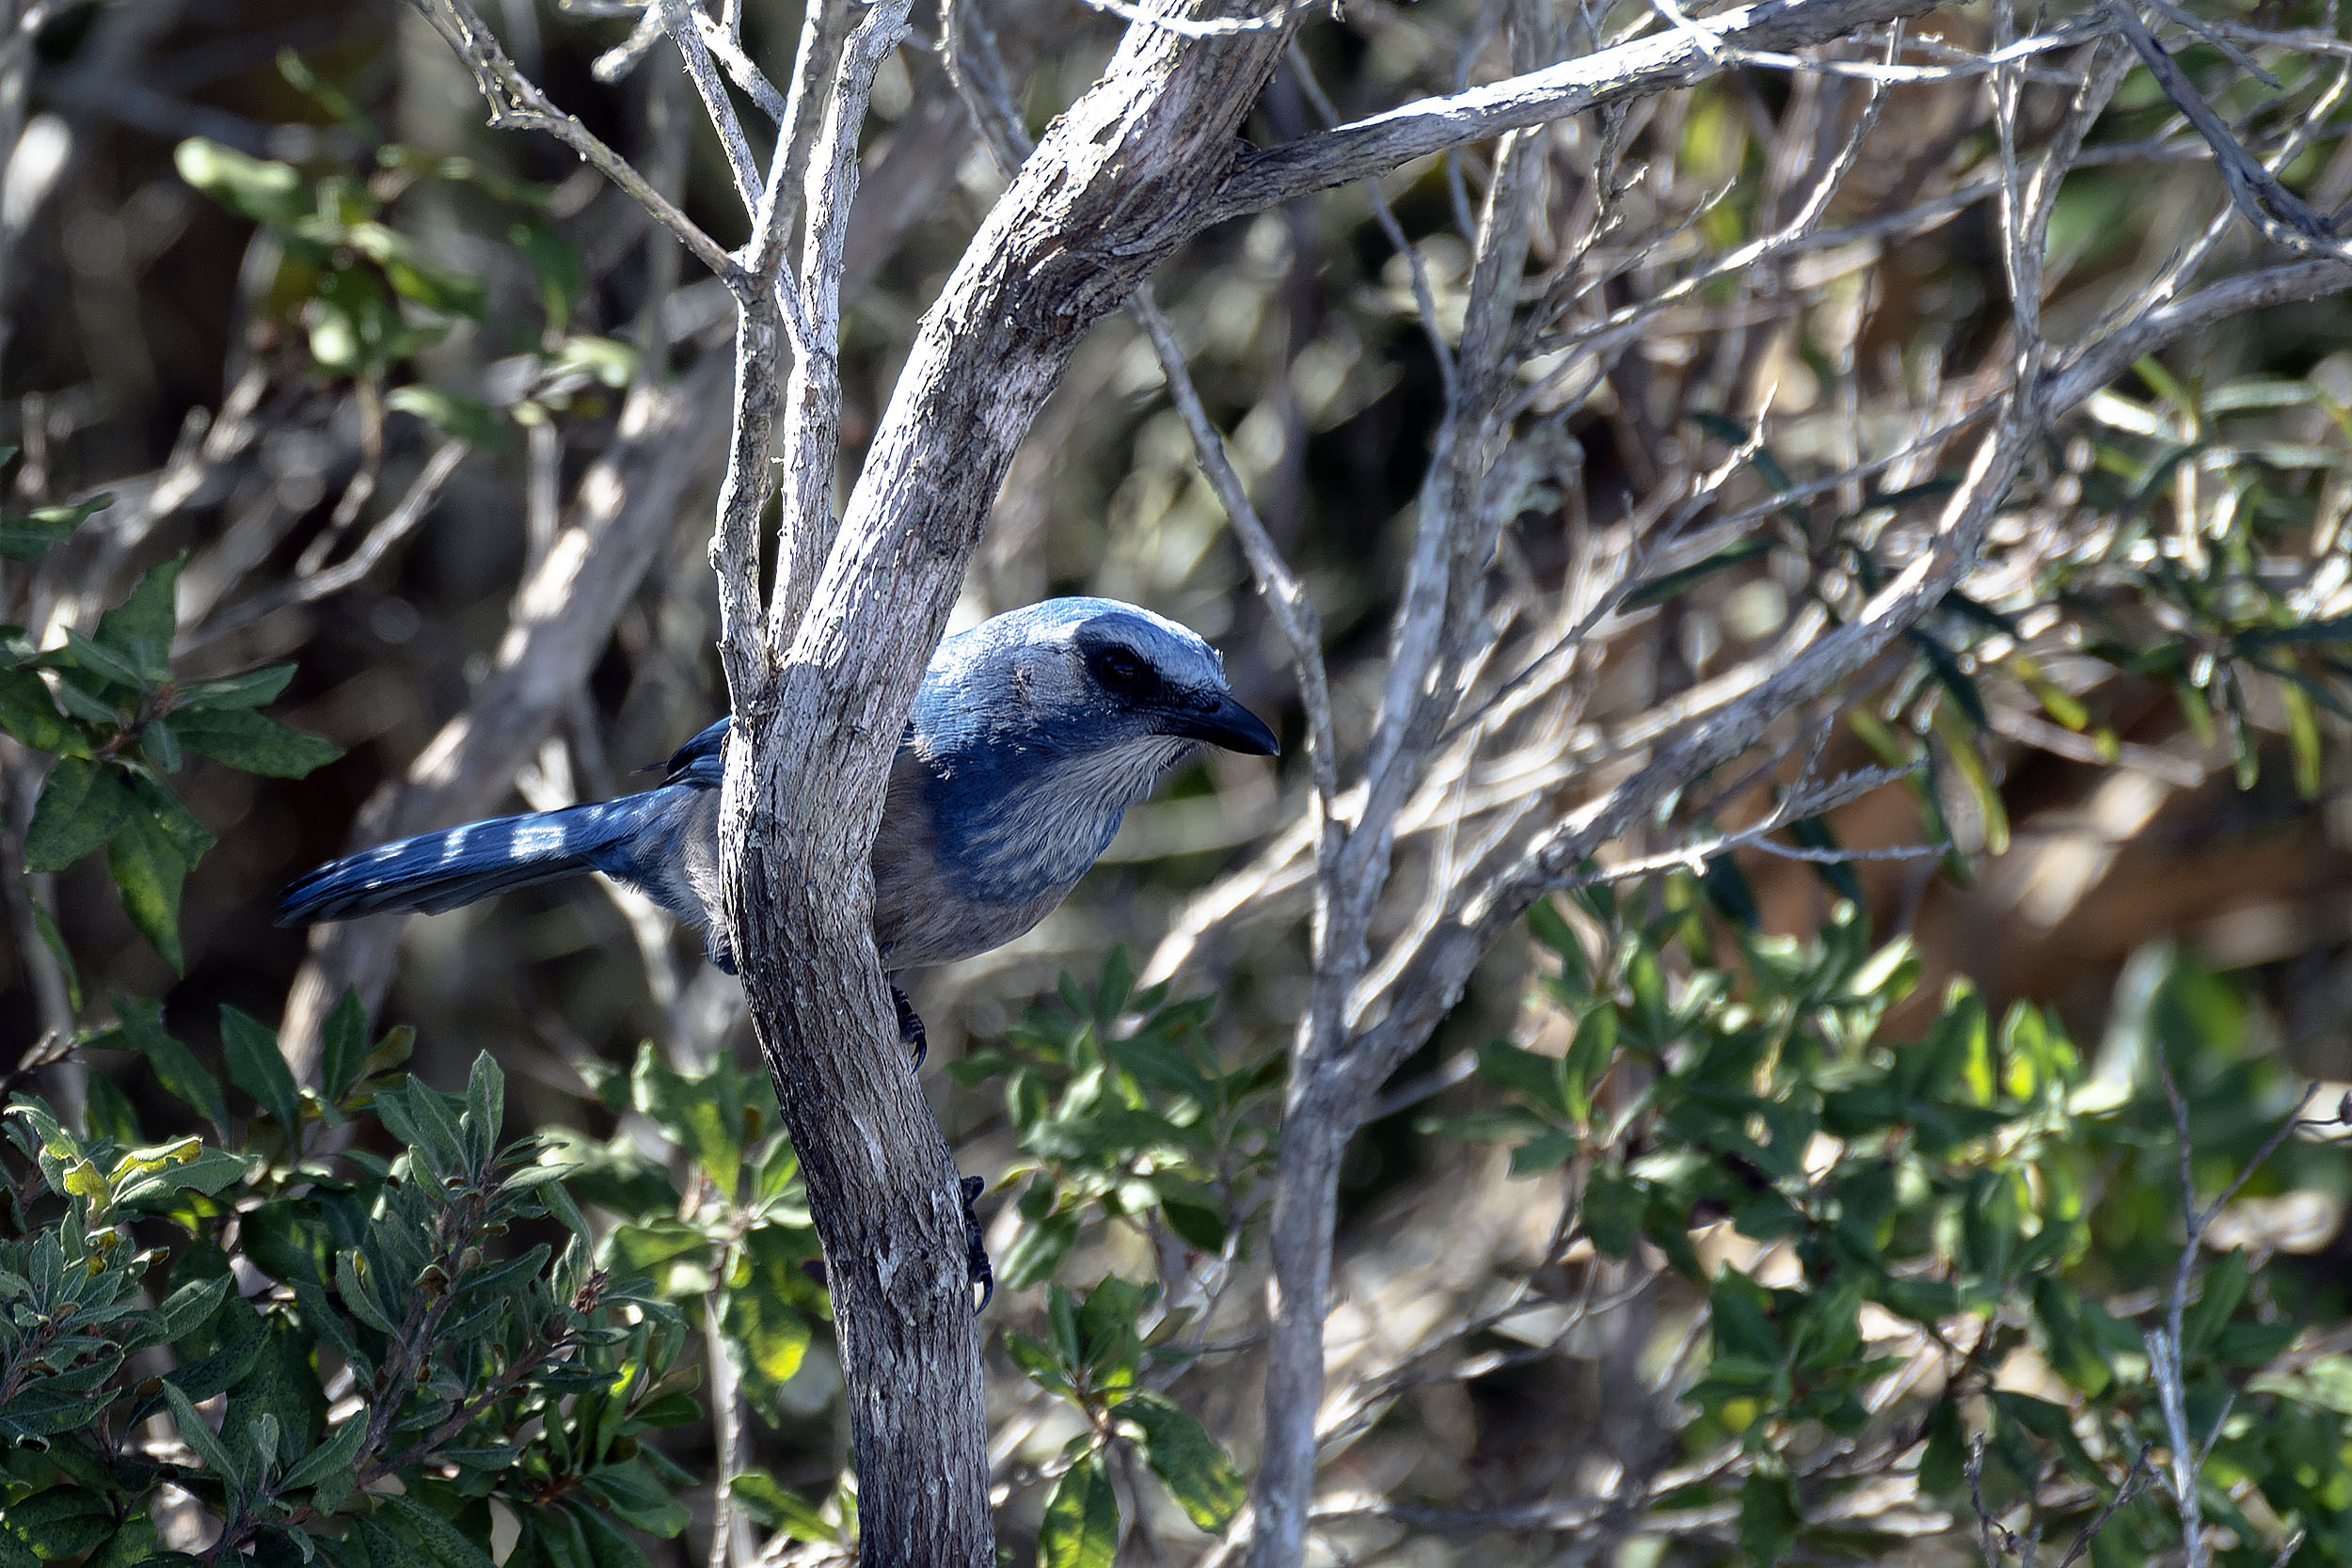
1083,676
1037,730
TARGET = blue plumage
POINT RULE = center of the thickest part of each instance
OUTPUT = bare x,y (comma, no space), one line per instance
1030,736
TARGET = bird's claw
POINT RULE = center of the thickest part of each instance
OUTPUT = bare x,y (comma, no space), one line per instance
911,1030
976,1269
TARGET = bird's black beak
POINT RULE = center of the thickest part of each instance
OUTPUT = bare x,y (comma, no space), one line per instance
1225,723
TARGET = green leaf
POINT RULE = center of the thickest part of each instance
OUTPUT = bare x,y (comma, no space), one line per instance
468,419
1081,1529
1742,1320
344,1042
107,1111
2224,1286
1839,876
54,1525
250,187
1769,1518
638,1500
148,870
773,1508
1948,675
299,75
551,1539
140,628
134,1544
200,1437
1726,888
1536,1077
1182,1453
1038,1249
608,1547
1667,585
29,535
703,1116
1548,1152
288,1243
447,1543
82,806
415,276
96,659
142,1029
418,1116
765,1323
1613,1211
277,1409
244,739
1199,1223
2053,1424
53,939
556,262
209,1171
357,325
172,816
2302,738
1943,1463
28,712
254,688
1038,1363
1106,1325
192,1305
387,1547
241,1336
1961,753
353,1290
1061,1311
603,359
486,1108
160,746
87,706
250,1049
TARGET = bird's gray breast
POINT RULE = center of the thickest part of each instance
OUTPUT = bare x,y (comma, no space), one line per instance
970,858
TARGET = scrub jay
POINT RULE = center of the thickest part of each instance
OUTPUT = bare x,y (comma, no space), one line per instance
1031,733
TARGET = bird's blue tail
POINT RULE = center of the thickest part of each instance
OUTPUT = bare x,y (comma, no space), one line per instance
434,872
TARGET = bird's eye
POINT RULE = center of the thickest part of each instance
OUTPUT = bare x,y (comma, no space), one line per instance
1115,667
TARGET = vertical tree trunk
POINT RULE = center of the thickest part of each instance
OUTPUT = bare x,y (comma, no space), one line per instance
1118,184
883,1187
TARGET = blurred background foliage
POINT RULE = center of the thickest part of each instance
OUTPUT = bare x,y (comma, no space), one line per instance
1662,1218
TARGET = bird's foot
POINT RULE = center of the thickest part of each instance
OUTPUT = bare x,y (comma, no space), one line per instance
910,1032
977,1268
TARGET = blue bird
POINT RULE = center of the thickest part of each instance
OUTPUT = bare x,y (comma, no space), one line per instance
1030,736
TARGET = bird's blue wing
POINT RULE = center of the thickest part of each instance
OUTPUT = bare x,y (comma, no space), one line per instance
701,761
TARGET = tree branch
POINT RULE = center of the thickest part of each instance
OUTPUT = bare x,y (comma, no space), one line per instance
1655,64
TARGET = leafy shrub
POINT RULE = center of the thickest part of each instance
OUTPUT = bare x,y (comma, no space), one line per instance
1975,1178
319,1323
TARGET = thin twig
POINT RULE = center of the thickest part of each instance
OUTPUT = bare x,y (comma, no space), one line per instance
2279,213
2136,1479
396,525
518,105
680,19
